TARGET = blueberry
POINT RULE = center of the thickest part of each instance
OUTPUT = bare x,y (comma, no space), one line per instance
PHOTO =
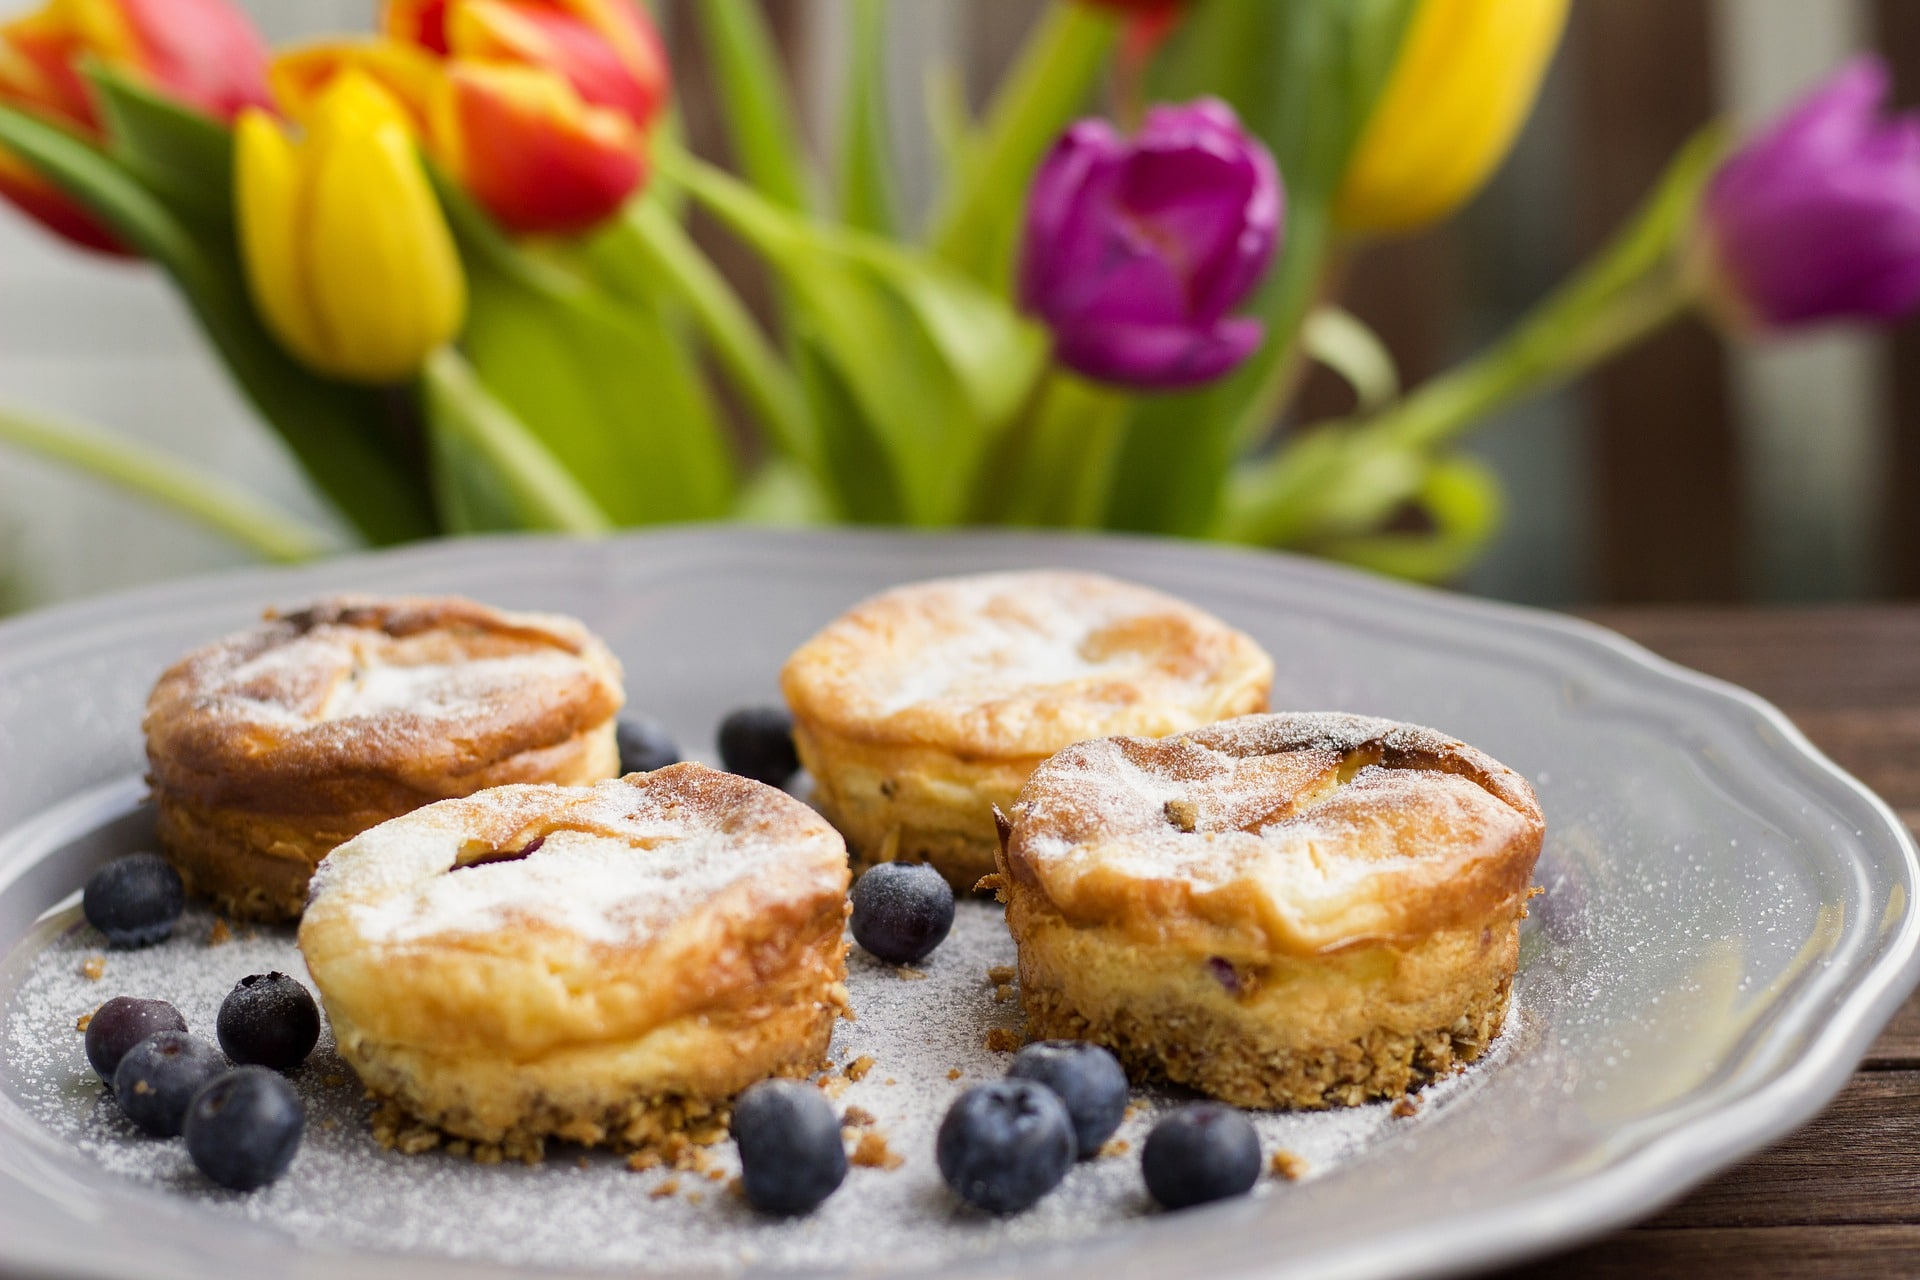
645,746
134,900
269,1020
1086,1078
243,1128
901,911
757,743
1005,1144
159,1076
1201,1152
791,1157
122,1023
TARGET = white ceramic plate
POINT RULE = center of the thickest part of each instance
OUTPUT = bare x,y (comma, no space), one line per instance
1728,921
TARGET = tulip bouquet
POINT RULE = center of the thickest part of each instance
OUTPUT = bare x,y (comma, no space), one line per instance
449,262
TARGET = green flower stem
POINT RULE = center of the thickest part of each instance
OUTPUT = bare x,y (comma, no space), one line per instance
973,225
1061,465
1342,477
750,360
213,501
543,494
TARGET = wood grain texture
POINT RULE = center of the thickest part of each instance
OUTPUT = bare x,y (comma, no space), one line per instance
1670,508
1841,1197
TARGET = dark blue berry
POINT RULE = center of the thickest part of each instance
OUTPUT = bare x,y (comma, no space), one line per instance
269,1020
645,746
243,1128
1199,1153
901,911
1087,1078
159,1076
1005,1144
134,900
757,743
122,1023
791,1157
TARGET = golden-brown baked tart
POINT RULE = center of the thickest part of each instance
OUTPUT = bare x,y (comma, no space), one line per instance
922,708
1279,910
269,747
606,964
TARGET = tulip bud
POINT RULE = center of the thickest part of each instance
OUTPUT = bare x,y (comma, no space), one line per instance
1818,218
203,53
1136,249
1461,86
347,254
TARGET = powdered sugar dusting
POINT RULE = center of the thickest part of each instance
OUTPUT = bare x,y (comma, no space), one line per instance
580,1209
613,863
954,646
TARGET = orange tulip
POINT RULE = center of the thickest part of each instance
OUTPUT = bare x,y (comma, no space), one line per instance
203,53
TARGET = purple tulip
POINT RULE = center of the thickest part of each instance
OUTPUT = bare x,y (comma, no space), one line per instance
1819,217
1137,248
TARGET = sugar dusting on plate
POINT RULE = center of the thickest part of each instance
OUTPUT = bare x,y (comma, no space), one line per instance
926,1031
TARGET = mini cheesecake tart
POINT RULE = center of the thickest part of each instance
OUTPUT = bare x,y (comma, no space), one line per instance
1279,910
268,748
922,708
608,964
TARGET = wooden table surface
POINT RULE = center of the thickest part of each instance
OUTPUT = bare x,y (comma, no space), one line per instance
1841,1197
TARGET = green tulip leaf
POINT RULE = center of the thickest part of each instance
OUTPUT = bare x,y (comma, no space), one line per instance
757,102
926,363
868,201
181,155
343,436
609,386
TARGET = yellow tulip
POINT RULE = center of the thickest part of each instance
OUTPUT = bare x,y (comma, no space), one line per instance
347,253
1461,87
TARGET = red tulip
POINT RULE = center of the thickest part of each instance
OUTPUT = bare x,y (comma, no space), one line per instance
203,53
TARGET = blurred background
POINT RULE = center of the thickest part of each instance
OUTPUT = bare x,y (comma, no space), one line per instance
1689,471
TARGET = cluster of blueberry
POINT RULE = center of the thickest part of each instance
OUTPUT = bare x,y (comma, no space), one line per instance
242,1122
755,742
1004,1144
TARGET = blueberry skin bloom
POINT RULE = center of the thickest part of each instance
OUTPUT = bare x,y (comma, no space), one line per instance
757,743
1818,217
1086,1078
244,1127
1135,249
901,911
158,1077
1200,1153
1005,1144
270,1020
122,1023
791,1157
134,900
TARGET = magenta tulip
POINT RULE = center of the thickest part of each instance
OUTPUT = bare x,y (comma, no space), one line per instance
1137,248
1818,218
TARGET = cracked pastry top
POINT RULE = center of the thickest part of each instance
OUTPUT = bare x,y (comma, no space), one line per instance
1308,833
608,964
271,746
